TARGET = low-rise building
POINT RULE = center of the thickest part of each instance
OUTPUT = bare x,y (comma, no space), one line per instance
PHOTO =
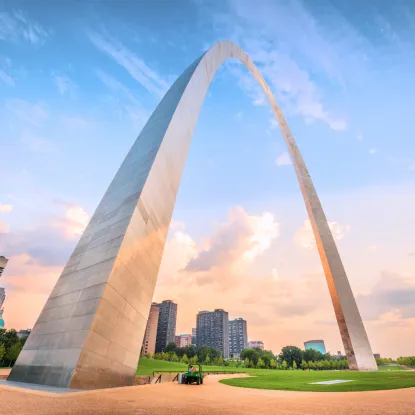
183,340
316,345
256,344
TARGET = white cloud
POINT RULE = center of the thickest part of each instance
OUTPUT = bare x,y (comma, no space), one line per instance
283,39
304,237
32,113
15,26
6,208
133,108
283,159
7,79
372,248
233,245
4,227
372,150
32,141
74,222
274,274
135,66
75,122
65,85
393,293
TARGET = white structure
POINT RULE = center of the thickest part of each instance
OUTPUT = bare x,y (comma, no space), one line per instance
91,329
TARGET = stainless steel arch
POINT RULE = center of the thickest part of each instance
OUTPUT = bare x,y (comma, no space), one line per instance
90,331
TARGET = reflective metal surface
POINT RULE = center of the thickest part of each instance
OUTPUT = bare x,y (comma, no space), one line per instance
90,331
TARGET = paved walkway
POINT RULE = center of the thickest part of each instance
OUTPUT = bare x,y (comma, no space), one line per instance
211,398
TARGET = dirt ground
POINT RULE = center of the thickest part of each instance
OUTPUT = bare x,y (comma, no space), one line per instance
210,398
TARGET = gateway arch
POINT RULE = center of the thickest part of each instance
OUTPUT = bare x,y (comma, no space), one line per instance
90,330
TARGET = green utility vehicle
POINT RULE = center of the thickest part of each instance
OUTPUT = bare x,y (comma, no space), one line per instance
194,375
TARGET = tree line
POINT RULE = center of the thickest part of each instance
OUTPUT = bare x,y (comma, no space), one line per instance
406,361
291,357
10,347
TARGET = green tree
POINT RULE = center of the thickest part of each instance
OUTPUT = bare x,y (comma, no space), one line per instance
9,338
2,351
194,359
312,355
247,363
260,364
174,357
251,354
294,365
170,348
185,359
13,353
273,364
207,359
267,356
220,361
284,365
291,354
304,365
148,356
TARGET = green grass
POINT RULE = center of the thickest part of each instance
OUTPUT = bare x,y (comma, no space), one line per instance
389,368
299,380
147,366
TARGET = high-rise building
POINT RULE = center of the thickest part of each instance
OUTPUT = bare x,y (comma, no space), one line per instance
166,327
2,296
256,344
212,330
150,335
183,340
3,263
194,336
316,345
238,337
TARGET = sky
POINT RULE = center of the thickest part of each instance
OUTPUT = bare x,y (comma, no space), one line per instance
79,79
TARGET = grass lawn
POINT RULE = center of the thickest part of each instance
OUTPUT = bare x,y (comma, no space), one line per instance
389,368
299,380
147,366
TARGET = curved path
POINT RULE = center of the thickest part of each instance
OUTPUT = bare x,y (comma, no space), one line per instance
212,398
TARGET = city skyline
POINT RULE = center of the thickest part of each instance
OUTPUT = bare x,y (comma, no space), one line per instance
248,246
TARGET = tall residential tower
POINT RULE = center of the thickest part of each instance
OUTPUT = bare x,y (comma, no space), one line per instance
150,335
3,263
238,337
166,328
212,330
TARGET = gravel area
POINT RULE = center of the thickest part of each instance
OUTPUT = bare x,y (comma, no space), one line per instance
210,398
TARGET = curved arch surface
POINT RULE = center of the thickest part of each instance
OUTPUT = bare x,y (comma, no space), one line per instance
90,331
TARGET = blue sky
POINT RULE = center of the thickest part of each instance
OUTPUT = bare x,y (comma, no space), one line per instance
79,79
